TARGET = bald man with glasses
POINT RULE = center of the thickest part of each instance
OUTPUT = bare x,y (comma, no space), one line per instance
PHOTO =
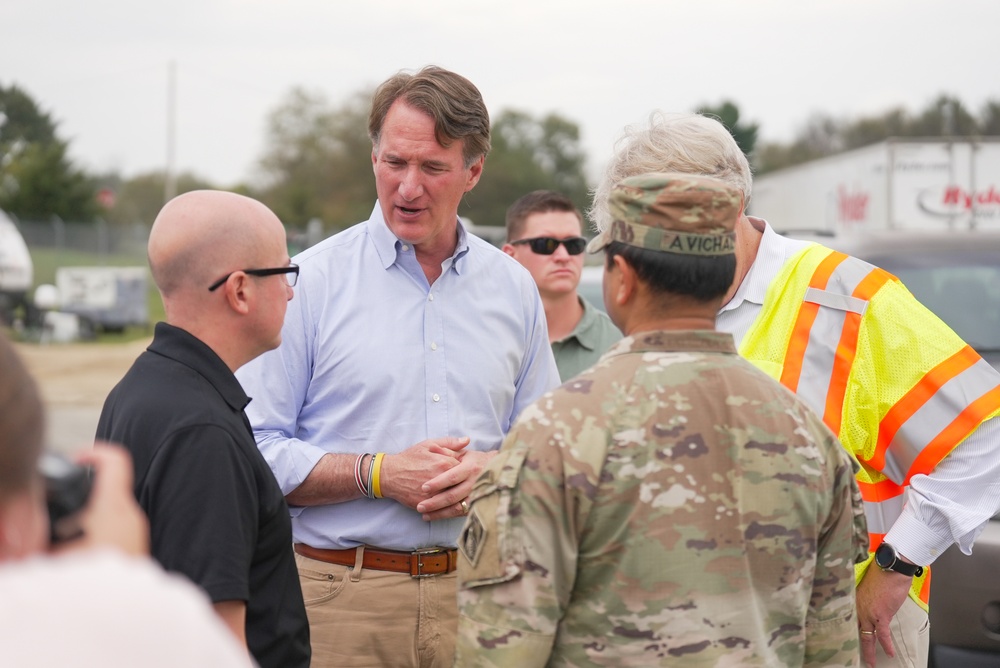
544,234
216,513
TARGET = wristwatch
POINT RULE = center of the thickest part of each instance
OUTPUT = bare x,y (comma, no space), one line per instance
887,560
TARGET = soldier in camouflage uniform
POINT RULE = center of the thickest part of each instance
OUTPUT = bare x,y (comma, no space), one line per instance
672,505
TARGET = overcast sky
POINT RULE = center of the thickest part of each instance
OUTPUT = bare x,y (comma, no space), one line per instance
100,68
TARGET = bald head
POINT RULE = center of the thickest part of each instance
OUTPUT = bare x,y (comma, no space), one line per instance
200,236
203,236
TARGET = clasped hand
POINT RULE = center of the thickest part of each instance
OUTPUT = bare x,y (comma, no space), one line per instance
434,476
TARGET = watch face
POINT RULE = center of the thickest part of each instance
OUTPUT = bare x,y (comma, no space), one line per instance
885,556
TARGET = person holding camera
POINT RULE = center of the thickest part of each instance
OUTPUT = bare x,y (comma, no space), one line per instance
216,513
95,600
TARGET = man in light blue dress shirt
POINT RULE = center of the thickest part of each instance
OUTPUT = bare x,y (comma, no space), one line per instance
407,354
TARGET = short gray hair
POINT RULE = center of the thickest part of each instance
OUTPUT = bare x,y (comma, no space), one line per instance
685,143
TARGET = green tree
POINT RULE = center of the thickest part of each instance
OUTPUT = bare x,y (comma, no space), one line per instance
21,120
37,179
140,198
819,137
317,160
728,114
873,129
946,116
989,118
528,153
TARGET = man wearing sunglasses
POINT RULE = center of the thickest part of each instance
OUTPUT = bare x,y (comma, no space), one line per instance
544,235
216,513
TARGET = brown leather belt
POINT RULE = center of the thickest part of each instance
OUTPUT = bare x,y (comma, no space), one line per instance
418,564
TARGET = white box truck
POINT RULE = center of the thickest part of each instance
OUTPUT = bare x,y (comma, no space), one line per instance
915,184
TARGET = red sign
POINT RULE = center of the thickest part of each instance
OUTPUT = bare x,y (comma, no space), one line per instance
853,208
106,197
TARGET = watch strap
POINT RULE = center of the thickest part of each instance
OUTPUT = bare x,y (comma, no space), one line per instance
900,566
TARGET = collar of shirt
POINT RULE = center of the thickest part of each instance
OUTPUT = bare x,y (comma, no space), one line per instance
392,250
671,341
586,332
185,348
766,265
738,315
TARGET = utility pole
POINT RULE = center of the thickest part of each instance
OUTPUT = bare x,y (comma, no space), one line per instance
170,177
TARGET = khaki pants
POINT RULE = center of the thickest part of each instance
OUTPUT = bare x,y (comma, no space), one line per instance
378,618
911,633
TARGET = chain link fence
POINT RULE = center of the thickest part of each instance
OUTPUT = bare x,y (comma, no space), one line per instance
95,244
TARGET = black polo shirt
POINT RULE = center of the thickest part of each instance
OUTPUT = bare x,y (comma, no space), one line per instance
216,513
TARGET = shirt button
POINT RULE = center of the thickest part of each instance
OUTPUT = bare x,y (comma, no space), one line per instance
405,247
430,297
434,346
436,397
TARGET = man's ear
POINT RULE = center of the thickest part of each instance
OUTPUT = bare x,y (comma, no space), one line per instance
239,292
627,281
508,249
475,172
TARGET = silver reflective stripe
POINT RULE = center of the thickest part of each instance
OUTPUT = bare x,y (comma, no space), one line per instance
881,515
821,352
837,301
938,412
824,336
892,470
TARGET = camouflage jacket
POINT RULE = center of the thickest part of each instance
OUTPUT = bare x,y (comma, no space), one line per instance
670,506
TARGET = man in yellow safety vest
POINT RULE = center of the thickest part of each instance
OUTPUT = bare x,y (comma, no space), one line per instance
914,404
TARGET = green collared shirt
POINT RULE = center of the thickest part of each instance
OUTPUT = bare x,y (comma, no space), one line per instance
590,339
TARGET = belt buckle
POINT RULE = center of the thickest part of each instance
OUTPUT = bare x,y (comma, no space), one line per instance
422,552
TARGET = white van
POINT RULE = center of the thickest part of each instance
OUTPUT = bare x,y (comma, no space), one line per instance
16,269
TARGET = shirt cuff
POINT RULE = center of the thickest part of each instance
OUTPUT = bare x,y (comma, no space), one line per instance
915,542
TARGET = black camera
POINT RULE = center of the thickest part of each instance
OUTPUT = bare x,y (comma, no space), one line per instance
67,488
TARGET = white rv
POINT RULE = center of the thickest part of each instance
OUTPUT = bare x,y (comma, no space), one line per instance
16,269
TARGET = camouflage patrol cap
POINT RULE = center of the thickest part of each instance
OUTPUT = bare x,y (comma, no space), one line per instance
673,213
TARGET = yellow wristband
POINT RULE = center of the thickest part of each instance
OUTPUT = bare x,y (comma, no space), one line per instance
376,475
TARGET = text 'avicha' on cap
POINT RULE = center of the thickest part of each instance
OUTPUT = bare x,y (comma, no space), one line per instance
673,213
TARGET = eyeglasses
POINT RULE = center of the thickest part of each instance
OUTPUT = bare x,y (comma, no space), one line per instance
548,245
290,271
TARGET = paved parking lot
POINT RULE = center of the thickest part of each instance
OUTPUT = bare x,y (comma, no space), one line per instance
74,380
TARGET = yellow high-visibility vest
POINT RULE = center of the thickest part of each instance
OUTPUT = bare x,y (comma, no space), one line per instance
863,353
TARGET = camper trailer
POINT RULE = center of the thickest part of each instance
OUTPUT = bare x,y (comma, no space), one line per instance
16,271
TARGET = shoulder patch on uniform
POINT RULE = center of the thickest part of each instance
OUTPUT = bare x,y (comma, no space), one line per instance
473,537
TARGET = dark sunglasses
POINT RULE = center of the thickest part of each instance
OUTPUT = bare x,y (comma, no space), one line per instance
291,273
548,245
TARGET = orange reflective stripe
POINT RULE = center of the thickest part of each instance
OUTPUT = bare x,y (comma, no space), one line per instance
954,433
872,283
879,491
910,402
792,368
846,350
825,270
